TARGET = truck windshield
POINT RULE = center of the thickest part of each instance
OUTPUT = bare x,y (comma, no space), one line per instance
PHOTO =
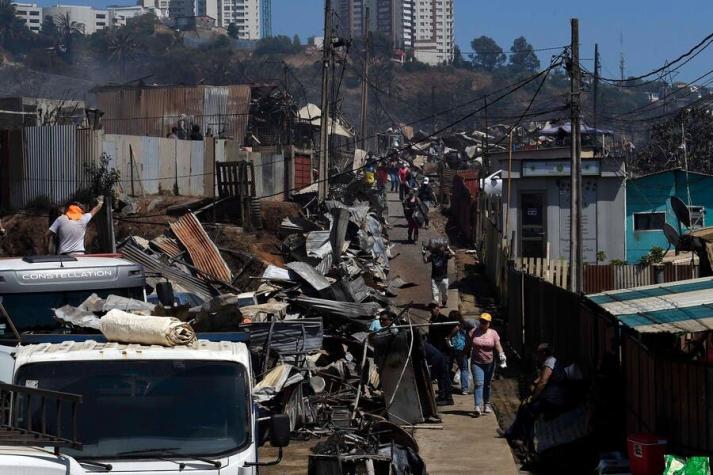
190,407
33,311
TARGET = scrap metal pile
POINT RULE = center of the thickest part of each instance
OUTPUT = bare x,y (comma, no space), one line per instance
308,322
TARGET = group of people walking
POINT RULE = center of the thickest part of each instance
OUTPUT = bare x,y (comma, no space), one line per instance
463,341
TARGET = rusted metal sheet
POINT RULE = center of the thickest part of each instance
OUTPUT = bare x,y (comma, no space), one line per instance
153,110
167,245
203,251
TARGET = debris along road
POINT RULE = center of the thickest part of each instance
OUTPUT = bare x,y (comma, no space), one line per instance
465,445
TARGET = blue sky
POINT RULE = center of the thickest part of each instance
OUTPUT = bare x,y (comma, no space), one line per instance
653,30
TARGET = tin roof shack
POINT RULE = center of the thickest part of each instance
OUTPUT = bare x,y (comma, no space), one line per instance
648,207
33,111
666,341
221,111
537,184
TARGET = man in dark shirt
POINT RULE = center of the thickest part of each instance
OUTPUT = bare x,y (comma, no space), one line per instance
439,272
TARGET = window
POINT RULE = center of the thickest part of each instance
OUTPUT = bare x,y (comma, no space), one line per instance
35,13
101,15
698,214
649,221
32,20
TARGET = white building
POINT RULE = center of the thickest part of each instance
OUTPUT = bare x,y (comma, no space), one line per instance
91,19
30,14
245,14
119,15
433,31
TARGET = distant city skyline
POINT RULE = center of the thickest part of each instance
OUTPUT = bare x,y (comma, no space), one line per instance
652,30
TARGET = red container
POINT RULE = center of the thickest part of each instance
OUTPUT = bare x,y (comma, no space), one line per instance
646,454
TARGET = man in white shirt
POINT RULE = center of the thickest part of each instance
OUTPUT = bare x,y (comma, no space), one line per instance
71,227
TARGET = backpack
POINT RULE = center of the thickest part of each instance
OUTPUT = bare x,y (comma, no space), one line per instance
458,340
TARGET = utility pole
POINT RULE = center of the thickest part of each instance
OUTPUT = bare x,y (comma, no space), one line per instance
595,91
323,185
575,244
433,108
365,80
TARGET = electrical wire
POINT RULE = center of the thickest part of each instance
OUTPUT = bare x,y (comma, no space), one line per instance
426,137
665,66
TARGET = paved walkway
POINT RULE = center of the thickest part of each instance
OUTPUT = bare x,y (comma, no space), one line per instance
464,445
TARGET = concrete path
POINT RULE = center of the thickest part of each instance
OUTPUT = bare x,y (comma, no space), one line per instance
465,444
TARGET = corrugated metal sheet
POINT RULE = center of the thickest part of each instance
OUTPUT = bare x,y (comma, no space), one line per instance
48,165
134,253
203,251
167,245
154,110
678,307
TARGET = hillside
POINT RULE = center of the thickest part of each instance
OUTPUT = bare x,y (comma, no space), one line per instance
399,93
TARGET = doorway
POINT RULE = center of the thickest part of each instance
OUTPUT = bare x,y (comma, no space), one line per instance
532,225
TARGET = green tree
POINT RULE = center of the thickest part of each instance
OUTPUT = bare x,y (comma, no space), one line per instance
280,44
13,34
668,148
233,31
68,29
487,54
458,59
296,43
49,28
523,57
121,47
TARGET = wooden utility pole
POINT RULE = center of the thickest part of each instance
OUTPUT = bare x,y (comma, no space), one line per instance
433,107
365,79
595,92
323,186
575,245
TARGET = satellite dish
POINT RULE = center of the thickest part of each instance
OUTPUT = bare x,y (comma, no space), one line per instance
681,211
671,235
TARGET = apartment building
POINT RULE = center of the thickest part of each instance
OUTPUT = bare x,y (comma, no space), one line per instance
245,14
421,27
30,14
393,18
433,31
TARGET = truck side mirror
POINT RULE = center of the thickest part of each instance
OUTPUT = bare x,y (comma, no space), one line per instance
279,430
279,437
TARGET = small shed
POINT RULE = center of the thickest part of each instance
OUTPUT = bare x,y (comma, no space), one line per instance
648,207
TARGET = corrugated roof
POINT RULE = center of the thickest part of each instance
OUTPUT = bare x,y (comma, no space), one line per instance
134,253
203,251
153,110
675,307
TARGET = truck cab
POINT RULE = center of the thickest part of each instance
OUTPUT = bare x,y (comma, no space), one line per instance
144,409
30,287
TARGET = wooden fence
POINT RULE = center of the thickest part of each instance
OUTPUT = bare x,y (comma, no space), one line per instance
662,393
668,396
604,277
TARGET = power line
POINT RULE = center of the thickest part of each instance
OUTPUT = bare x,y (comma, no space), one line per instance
427,137
665,66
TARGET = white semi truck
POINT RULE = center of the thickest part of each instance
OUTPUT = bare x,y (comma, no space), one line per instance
144,410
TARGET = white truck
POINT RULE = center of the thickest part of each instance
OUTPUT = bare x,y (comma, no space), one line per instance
144,410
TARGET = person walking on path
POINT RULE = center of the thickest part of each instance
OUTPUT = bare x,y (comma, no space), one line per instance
438,258
404,173
425,194
413,213
69,229
382,182
394,175
484,341
458,339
